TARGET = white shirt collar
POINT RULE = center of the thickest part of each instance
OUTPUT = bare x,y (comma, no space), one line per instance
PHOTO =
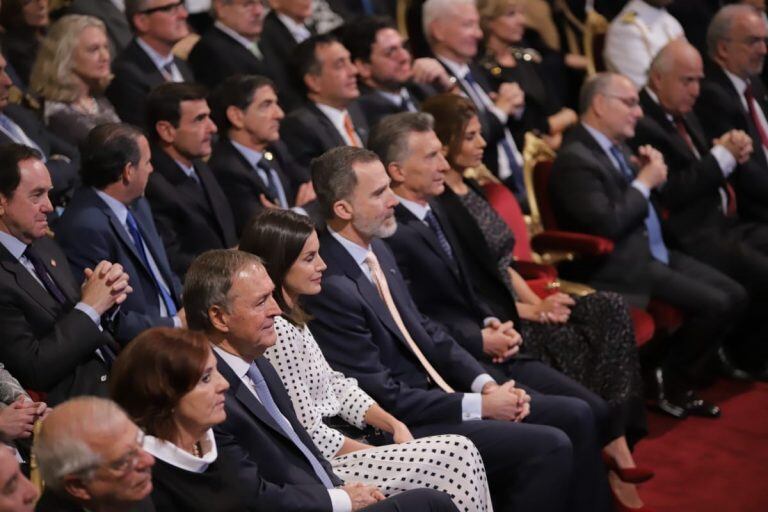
118,208
237,363
457,69
160,61
336,117
253,156
419,210
175,456
738,83
601,138
655,99
15,246
299,31
357,252
234,35
395,98
189,171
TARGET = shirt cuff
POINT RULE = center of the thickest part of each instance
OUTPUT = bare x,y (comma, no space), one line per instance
502,116
88,310
340,500
177,322
472,407
480,381
725,160
487,321
640,187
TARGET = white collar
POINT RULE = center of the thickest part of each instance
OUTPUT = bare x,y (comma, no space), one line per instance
739,83
239,365
418,210
357,252
175,456
15,246
655,99
395,97
299,31
335,115
234,35
118,208
160,61
457,69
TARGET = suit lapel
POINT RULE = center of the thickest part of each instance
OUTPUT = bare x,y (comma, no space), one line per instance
217,204
333,137
26,282
57,270
409,219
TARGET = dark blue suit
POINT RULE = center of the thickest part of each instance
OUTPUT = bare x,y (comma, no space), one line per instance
529,466
278,474
90,232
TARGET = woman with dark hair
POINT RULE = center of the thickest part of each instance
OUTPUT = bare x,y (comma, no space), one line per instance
25,23
288,245
166,380
589,338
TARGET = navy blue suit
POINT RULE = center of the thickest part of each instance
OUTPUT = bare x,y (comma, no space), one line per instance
90,232
355,330
278,474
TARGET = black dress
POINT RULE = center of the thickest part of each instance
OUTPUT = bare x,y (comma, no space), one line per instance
596,347
217,488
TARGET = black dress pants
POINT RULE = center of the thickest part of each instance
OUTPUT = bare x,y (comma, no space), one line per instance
426,500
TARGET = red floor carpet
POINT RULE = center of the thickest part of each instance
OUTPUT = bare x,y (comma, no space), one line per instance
711,465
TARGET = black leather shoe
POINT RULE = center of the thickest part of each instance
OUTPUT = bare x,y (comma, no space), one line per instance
730,370
663,402
697,406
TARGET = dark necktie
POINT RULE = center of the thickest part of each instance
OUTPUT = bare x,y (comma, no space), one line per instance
272,187
406,104
754,115
43,276
683,131
437,229
138,241
265,396
167,72
652,224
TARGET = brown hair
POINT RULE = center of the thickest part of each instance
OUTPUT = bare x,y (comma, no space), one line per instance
154,372
452,114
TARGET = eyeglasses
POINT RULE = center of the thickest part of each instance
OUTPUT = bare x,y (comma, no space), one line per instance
629,102
169,8
127,462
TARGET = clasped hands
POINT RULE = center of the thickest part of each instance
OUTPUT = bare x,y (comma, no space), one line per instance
738,143
505,402
105,286
500,340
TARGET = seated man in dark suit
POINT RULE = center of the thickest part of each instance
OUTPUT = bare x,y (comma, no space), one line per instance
91,457
734,97
392,81
330,117
230,295
110,219
284,28
254,168
231,45
52,339
190,209
148,60
698,198
453,31
596,189
368,327
23,127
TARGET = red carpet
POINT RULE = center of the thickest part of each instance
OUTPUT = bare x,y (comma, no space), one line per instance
711,465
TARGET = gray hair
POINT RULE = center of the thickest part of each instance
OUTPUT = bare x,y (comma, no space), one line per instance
596,84
389,138
436,9
333,175
208,282
721,25
62,448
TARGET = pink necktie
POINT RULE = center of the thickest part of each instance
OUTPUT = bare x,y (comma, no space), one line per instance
354,140
381,284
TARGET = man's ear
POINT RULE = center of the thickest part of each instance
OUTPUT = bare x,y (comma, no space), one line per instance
166,131
364,69
395,171
218,317
75,486
236,117
311,81
128,171
343,210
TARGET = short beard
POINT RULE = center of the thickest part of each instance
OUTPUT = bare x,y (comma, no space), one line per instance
382,230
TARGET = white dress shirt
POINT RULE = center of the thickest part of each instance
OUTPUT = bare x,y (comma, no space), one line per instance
161,61
175,456
336,117
299,31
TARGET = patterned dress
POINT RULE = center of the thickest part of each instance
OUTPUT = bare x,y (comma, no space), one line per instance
596,346
317,392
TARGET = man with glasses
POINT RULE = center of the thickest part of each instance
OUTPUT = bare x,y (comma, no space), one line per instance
148,60
599,187
231,46
91,457
391,81
734,97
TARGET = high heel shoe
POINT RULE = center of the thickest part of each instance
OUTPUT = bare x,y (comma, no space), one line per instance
636,475
621,507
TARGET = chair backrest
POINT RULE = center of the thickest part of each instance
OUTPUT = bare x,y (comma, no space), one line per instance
541,176
535,151
595,28
504,202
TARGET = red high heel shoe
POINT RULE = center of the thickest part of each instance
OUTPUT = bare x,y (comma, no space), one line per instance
636,475
621,507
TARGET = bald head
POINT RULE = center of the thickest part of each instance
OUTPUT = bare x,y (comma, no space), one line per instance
675,76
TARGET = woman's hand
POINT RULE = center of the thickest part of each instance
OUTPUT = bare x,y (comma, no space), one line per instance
554,309
18,419
401,434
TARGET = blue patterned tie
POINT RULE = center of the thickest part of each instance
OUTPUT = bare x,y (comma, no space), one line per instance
138,241
437,229
262,391
273,189
652,224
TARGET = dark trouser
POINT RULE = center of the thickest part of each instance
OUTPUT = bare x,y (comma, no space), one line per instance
710,301
561,402
426,500
529,467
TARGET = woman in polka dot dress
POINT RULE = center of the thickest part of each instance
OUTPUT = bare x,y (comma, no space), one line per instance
288,244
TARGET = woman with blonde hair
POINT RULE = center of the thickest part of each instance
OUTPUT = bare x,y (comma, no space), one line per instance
70,74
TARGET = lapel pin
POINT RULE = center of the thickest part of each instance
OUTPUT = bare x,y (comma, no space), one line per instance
53,263
268,156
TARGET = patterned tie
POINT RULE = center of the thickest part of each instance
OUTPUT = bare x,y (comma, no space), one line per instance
265,396
272,183
383,287
652,224
42,274
754,115
138,241
437,229
349,127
